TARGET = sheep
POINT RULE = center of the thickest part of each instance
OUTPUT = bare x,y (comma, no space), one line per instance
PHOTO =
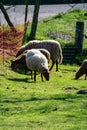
21,50
82,70
52,46
36,61
20,60
33,60
44,51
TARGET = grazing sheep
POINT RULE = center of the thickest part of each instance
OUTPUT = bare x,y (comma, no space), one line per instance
36,61
20,60
82,70
33,60
51,45
44,51
21,50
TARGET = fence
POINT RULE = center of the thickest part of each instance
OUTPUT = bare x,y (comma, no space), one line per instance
10,41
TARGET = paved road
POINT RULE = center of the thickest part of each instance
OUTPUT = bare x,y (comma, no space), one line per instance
17,13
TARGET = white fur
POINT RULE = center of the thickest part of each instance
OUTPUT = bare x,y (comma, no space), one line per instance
35,60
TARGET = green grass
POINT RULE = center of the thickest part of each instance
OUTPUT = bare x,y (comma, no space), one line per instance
61,27
48,105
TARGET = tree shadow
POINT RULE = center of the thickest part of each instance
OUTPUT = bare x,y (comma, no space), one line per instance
64,97
26,80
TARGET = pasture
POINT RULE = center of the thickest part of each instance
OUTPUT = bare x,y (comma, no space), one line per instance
48,105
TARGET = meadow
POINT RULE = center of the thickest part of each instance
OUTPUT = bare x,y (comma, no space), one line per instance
49,105
61,27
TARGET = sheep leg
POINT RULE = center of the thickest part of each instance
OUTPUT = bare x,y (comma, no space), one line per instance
35,75
42,76
52,65
56,65
85,76
31,74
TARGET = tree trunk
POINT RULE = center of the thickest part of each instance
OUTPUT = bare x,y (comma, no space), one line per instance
79,37
6,15
35,20
26,10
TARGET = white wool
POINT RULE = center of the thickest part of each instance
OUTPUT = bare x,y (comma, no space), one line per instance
35,60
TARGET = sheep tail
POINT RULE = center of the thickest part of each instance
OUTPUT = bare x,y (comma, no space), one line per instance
60,56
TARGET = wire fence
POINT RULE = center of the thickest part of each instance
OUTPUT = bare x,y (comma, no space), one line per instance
10,41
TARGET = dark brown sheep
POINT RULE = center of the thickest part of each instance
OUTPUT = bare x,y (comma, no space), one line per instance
82,70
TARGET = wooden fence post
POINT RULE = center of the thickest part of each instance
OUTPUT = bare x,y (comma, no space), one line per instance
79,37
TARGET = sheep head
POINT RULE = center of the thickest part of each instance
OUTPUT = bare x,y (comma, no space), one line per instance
46,74
21,50
79,73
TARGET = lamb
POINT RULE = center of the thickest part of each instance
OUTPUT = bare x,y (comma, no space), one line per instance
52,46
82,70
33,60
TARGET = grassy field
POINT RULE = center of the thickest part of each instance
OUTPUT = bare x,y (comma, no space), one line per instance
61,27
48,105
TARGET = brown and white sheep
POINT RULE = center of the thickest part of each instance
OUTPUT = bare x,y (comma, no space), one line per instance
33,60
52,46
20,60
82,70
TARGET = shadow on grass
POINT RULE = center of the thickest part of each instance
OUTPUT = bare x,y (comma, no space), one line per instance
26,80
63,97
2,75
